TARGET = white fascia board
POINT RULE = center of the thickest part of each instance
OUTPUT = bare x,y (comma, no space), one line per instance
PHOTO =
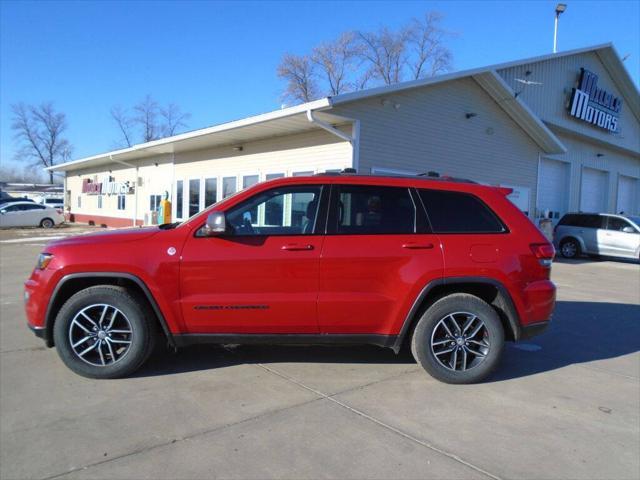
620,75
505,97
321,104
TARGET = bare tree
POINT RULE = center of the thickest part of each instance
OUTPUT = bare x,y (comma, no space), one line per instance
39,131
385,53
425,38
299,73
173,118
146,114
336,61
124,122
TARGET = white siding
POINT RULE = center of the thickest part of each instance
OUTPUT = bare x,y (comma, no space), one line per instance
551,99
429,131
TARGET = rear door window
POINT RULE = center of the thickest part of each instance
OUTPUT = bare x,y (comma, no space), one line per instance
372,210
592,221
458,212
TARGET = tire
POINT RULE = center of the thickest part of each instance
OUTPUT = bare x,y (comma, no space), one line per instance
79,318
570,248
486,344
47,223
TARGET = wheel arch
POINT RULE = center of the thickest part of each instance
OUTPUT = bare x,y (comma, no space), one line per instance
577,239
488,289
74,282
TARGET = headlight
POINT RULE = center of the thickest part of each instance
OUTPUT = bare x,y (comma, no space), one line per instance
44,259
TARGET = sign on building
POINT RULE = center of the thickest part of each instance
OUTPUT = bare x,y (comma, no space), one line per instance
593,104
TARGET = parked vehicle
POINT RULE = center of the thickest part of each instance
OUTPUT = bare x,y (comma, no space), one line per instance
598,234
29,214
52,202
452,268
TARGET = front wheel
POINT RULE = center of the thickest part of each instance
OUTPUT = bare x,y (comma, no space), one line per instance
459,339
104,332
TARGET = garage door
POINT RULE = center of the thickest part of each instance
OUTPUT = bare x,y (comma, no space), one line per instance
593,190
628,201
553,190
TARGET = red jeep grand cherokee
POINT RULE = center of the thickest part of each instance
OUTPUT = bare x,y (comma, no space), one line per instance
452,267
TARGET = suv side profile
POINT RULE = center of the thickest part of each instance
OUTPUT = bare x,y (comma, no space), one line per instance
598,234
452,269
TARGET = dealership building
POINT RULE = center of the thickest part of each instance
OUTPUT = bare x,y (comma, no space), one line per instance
562,130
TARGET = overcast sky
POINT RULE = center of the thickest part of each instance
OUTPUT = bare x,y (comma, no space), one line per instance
218,60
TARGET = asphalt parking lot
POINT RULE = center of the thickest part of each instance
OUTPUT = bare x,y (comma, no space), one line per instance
562,405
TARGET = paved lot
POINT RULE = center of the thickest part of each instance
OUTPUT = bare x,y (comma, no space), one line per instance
563,405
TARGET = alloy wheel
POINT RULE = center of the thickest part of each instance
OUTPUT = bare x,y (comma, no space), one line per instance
460,341
100,335
569,249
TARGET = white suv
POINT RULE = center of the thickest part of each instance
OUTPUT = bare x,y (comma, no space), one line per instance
598,234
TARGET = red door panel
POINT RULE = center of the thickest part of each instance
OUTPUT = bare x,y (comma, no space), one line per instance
251,284
369,282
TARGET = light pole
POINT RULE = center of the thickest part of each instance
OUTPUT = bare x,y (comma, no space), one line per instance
560,8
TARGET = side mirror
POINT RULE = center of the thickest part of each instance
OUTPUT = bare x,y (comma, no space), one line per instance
216,225
629,230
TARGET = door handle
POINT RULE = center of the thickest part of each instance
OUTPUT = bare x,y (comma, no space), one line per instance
297,246
417,246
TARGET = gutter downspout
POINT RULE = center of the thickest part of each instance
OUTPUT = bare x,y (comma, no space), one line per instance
353,139
135,193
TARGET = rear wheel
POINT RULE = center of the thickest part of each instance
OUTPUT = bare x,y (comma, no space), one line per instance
570,248
459,339
104,332
47,223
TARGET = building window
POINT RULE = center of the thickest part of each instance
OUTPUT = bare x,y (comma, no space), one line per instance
210,191
154,202
228,186
271,176
179,212
122,202
249,180
194,196
99,201
302,174
79,201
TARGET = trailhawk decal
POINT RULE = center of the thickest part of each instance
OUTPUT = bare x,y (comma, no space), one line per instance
593,104
231,307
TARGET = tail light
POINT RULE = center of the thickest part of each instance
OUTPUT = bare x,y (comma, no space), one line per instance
544,252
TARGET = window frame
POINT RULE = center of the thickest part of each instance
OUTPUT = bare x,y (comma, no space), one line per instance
505,228
420,227
124,202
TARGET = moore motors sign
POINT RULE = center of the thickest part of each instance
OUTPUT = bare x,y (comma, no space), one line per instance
593,104
107,187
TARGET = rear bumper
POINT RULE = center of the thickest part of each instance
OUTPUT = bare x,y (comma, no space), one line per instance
539,300
533,329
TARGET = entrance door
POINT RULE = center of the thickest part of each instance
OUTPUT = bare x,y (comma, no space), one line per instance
377,256
262,276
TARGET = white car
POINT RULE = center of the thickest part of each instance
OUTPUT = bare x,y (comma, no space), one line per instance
29,214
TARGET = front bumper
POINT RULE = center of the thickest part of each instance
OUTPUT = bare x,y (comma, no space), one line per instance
40,332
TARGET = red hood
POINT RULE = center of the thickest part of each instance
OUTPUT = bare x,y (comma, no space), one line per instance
108,236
